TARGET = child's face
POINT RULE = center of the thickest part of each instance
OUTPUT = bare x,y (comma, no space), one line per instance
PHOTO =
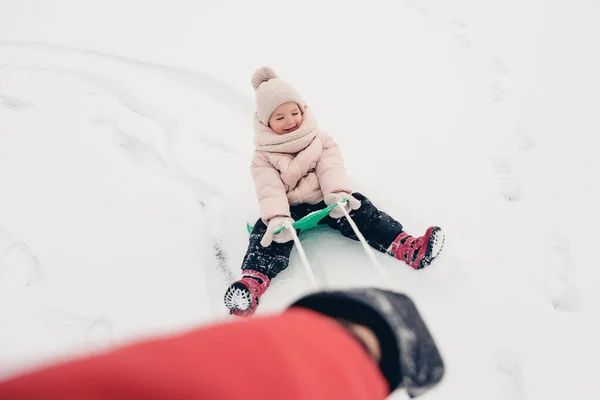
286,118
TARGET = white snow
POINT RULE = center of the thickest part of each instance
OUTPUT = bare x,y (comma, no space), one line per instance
125,140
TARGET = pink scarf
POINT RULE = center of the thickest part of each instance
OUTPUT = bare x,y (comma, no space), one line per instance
267,140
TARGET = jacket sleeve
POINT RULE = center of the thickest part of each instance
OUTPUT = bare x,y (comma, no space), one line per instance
330,169
298,354
270,189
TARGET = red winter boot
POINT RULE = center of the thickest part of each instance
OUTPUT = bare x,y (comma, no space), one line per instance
242,296
418,252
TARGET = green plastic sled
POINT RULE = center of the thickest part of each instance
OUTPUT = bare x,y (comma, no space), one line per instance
309,222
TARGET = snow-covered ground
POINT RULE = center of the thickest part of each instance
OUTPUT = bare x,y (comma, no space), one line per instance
125,140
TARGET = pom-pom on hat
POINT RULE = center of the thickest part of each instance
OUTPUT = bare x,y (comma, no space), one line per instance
271,92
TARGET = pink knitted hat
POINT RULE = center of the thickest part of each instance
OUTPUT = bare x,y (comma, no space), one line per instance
271,92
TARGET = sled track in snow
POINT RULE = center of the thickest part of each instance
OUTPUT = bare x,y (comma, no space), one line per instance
201,82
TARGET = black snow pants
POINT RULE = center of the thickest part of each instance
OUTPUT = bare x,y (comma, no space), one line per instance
378,228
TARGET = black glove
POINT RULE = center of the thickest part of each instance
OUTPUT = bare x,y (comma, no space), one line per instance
409,357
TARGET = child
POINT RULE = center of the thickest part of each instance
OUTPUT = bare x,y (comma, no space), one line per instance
298,169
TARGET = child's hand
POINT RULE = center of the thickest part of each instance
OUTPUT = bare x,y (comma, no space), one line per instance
282,237
337,212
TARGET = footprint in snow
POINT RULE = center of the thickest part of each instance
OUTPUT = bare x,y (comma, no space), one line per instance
99,334
12,103
516,142
19,267
510,384
556,277
459,28
521,138
499,66
497,93
509,186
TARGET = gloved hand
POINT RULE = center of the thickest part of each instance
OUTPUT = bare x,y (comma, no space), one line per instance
409,357
337,212
282,237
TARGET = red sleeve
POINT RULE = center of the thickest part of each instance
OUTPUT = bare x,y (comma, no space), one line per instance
298,354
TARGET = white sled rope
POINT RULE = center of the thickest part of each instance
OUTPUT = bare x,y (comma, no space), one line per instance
370,253
305,263
384,275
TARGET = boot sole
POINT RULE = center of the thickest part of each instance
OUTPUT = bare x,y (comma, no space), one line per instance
238,299
434,246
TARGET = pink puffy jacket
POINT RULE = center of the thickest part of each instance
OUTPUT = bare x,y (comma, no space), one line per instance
284,179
